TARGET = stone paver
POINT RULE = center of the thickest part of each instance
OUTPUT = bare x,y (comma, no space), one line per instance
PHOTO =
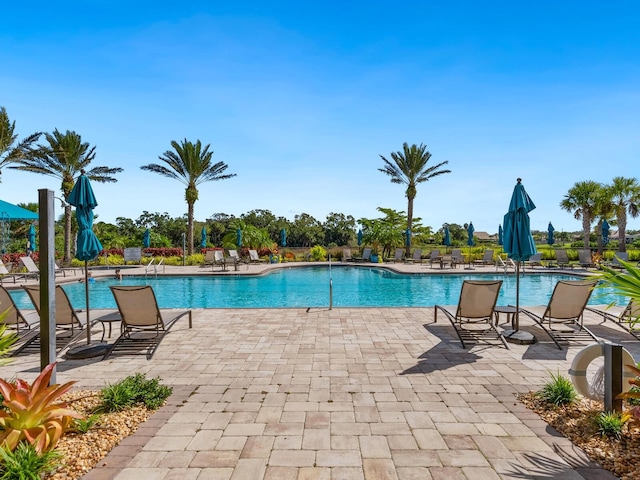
366,393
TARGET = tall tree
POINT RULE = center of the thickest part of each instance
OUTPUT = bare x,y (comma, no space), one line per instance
625,196
582,201
10,153
191,165
65,156
410,167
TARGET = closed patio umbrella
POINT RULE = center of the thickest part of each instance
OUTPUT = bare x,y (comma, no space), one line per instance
203,238
407,237
88,245
283,238
238,238
447,236
32,239
519,245
605,233
146,238
550,231
470,231
500,235
359,237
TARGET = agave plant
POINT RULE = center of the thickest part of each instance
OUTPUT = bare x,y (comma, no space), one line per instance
33,412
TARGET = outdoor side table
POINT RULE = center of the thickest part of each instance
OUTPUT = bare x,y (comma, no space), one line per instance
509,310
108,319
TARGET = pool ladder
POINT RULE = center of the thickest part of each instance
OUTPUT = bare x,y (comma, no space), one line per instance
155,267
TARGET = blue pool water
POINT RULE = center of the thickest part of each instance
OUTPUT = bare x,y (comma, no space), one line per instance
309,287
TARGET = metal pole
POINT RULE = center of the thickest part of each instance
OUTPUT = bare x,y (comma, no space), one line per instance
46,218
330,286
86,296
183,249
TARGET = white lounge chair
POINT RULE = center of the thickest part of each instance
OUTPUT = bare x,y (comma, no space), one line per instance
255,258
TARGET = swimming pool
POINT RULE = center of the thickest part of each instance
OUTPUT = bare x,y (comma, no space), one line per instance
309,287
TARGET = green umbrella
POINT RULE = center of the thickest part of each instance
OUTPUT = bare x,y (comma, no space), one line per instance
203,238
146,238
88,245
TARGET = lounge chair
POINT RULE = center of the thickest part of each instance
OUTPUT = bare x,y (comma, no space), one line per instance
397,257
218,259
32,269
237,259
209,258
626,317
435,257
473,317
24,323
487,258
584,257
562,318
615,262
416,256
456,258
255,258
562,259
534,261
346,255
68,321
144,325
366,256
5,274
505,264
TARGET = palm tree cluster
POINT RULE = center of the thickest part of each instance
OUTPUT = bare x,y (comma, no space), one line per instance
591,202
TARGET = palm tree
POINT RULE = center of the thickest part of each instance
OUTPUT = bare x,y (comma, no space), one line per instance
582,200
604,209
625,195
66,157
8,152
409,167
191,165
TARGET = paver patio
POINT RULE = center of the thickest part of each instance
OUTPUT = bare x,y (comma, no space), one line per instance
363,393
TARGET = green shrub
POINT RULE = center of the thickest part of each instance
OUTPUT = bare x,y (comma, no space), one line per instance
135,389
318,253
83,425
25,463
610,424
559,391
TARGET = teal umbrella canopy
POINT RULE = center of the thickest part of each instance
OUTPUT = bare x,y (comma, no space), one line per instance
8,211
500,235
146,238
203,238
470,231
32,239
283,238
407,237
84,200
447,236
359,237
550,232
518,242
238,237
605,232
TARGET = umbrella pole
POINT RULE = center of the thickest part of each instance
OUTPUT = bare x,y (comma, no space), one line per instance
86,293
515,335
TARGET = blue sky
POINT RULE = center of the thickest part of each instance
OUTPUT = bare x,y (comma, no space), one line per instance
300,99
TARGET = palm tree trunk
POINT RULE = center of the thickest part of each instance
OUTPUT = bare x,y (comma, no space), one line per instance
622,230
409,225
190,228
586,229
66,260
